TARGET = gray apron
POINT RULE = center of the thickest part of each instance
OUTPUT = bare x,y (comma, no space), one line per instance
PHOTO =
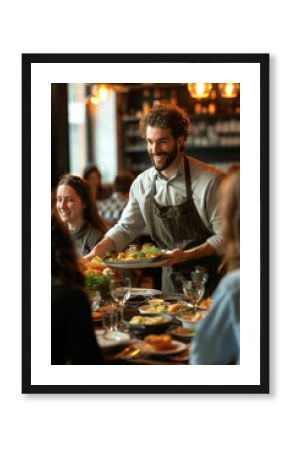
180,226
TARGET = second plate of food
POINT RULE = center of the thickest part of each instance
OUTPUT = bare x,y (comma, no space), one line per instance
165,308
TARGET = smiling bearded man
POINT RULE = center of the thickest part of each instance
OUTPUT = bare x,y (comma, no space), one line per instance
176,200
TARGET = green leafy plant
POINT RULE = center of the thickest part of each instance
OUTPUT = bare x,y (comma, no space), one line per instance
97,282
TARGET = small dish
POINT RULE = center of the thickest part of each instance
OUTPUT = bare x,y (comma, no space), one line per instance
191,320
144,292
111,339
183,334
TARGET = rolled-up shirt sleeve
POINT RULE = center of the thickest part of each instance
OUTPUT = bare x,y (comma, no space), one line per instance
213,216
131,223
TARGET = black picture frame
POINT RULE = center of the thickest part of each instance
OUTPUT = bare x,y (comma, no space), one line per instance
259,59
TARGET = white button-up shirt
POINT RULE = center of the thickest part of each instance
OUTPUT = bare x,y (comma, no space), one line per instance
204,186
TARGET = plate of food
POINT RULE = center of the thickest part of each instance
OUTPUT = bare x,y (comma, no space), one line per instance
165,308
161,345
134,257
142,264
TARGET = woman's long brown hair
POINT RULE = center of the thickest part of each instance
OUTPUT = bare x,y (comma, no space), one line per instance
64,265
229,196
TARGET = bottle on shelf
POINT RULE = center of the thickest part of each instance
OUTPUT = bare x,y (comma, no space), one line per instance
173,97
156,97
146,102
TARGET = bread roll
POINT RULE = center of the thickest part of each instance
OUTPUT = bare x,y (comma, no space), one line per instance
160,342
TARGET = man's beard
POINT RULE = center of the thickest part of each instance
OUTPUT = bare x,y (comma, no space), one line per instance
168,160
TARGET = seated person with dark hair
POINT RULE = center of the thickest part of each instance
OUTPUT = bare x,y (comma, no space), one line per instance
73,339
79,213
111,209
93,176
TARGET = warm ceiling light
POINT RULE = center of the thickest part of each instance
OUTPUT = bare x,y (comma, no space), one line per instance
94,100
199,90
229,90
99,93
104,92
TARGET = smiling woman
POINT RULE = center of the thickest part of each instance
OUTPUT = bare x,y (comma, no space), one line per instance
78,212
70,207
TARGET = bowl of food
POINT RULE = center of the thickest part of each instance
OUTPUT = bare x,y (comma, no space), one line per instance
152,310
183,334
190,319
165,308
140,326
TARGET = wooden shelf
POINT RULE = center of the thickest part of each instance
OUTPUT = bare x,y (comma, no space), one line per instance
189,148
214,129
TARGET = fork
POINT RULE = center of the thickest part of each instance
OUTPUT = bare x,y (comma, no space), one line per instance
128,353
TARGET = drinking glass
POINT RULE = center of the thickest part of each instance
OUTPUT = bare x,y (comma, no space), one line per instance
120,290
193,290
110,319
94,299
199,275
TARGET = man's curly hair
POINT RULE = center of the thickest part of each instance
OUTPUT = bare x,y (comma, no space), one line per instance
167,116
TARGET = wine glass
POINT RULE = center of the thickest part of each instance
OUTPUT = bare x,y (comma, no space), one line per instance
199,275
193,290
120,290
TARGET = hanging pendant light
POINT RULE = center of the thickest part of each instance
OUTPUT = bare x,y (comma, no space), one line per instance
199,90
229,90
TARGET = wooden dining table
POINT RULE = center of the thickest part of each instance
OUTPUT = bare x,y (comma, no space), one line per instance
130,352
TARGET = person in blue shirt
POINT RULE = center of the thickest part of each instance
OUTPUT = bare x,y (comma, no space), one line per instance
217,340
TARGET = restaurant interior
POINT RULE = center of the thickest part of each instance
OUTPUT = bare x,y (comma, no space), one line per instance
97,125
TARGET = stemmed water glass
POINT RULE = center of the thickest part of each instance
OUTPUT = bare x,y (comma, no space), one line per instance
120,290
193,290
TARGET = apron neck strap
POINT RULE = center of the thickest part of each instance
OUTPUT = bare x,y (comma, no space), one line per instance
187,177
